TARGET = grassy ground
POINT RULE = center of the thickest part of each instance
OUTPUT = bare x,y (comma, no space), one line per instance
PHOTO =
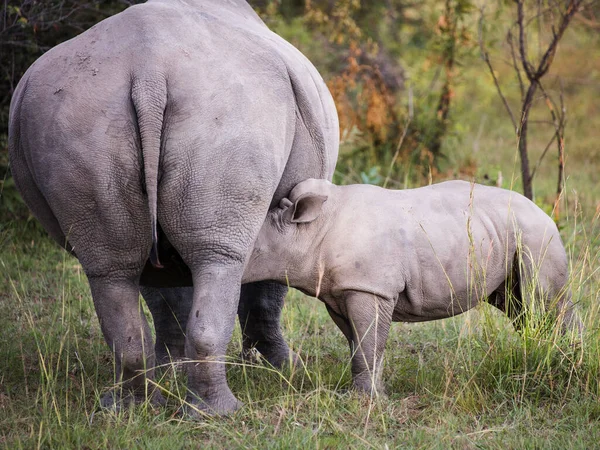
466,382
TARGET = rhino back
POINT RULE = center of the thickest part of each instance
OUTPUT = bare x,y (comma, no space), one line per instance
441,247
219,63
469,239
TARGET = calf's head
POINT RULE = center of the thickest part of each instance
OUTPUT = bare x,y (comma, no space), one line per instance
287,239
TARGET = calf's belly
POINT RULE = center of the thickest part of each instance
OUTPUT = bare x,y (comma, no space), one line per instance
422,306
430,310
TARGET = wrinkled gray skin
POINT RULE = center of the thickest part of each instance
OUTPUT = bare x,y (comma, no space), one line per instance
172,127
374,256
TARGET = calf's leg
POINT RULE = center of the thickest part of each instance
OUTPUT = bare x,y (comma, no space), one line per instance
539,279
342,323
370,317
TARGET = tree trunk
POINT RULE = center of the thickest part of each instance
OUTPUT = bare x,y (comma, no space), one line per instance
525,172
561,171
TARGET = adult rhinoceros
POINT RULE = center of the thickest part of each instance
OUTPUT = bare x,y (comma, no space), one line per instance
152,146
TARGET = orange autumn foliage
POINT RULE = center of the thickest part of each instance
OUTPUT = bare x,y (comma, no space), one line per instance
362,99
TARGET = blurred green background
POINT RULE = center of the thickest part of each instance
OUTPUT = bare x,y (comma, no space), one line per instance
396,67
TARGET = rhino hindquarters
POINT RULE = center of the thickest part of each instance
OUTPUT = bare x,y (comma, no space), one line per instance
539,274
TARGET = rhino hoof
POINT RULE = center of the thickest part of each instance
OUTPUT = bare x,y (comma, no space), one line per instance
366,388
196,410
285,360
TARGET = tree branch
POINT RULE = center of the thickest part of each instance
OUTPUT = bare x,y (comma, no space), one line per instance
485,56
539,161
546,60
509,38
523,42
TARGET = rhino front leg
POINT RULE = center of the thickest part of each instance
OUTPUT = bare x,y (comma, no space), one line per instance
342,323
127,333
259,313
170,308
370,318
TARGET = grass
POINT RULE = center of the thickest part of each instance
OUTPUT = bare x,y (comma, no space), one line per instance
464,382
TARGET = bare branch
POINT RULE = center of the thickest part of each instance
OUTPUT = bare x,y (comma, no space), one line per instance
538,16
544,65
509,38
539,161
534,75
522,41
559,121
485,56
539,27
594,24
522,137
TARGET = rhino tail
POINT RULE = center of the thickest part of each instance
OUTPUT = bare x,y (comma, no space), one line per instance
149,97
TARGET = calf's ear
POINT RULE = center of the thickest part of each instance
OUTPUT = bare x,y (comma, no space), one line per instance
307,207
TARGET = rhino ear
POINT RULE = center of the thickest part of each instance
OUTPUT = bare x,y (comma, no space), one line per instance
307,207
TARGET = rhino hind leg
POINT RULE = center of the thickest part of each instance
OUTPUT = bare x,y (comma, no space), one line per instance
538,282
259,313
127,333
507,298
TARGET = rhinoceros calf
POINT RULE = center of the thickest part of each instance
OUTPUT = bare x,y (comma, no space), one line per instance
375,256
